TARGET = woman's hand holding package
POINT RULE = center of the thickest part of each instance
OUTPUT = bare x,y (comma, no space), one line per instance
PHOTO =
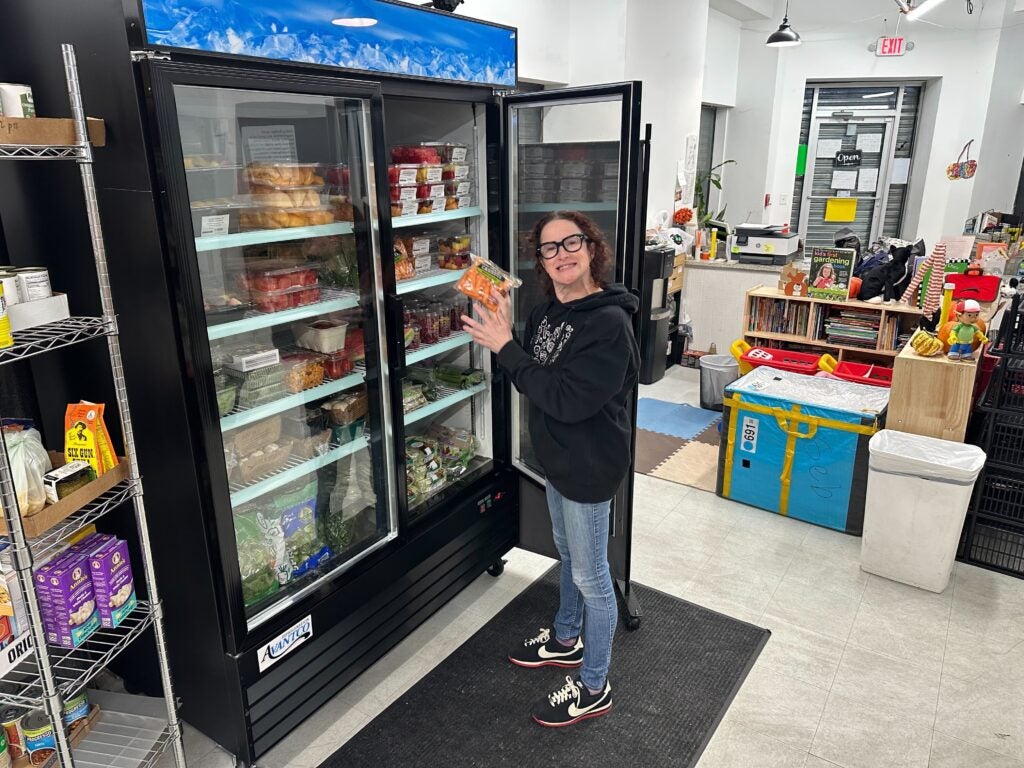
491,329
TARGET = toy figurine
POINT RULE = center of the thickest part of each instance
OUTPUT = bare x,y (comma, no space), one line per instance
966,331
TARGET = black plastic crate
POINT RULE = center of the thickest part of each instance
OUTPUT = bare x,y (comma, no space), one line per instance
995,545
1003,439
1006,390
1010,339
1000,494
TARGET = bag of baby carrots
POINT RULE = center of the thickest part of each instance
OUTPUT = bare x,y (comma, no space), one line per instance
484,280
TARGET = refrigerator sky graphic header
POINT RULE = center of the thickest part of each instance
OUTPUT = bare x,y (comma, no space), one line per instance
405,40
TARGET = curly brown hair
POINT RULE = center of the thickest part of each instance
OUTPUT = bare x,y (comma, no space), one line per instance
600,253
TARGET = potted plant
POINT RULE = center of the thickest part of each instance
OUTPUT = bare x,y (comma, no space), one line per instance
700,199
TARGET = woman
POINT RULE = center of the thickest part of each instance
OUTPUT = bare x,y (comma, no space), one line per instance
577,372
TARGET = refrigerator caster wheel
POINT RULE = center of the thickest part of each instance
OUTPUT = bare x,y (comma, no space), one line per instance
497,568
632,623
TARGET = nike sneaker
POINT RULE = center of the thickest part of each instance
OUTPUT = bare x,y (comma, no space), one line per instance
572,703
544,650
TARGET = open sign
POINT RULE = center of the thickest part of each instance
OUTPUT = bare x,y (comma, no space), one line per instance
847,158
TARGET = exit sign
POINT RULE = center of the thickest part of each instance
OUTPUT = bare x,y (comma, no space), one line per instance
891,46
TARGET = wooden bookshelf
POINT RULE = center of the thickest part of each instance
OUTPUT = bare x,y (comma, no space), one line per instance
770,315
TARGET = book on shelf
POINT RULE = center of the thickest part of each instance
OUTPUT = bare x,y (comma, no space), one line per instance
831,270
768,315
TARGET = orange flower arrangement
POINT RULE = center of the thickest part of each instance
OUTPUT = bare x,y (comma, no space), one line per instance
682,217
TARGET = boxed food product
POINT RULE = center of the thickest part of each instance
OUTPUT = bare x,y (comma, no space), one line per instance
275,301
455,172
302,371
267,459
283,174
572,169
412,207
279,275
274,196
112,582
337,364
70,611
250,357
283,218
484,279
322,335
403,173
251,438
65,480
86,437
454,203
416,153
227,393
447,151
404,192
457,188
347,408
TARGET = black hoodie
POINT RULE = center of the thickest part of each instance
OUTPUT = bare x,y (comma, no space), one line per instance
577,372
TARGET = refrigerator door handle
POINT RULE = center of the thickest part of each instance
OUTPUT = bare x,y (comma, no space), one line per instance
396,311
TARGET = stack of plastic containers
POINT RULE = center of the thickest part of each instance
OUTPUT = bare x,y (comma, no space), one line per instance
994,533
430,177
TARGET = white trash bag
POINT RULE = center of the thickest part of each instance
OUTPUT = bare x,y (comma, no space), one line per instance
29,462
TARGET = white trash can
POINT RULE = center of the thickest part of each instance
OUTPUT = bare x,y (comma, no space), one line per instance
918,492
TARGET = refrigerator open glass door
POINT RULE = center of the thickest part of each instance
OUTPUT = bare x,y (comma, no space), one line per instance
285,246
573,149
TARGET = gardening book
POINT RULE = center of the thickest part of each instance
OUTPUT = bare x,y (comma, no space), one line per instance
831,269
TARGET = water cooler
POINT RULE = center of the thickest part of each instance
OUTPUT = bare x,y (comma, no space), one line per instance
655,311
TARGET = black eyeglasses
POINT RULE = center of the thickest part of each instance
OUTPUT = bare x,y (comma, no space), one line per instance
570,244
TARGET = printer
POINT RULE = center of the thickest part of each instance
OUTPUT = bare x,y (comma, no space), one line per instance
764,244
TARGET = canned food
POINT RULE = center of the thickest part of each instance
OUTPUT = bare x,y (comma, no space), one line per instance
9,280
6,340
16,100
33,283
76,711
40,741
10,719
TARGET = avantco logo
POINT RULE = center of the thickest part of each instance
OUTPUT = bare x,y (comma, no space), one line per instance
285,643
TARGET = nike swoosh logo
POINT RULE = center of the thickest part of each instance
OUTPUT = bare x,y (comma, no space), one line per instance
544,653
575,711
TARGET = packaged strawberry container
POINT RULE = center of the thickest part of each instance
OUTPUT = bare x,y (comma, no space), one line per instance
421,154
337,364
403,173
448,152
403,192
336,175
412,207
455,172
289,298
279,276
457,188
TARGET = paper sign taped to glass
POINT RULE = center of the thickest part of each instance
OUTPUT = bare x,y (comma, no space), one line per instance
798,445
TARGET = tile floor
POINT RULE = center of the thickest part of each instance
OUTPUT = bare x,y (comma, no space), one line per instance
860,672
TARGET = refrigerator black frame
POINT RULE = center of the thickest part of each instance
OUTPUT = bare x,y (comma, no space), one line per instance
160,78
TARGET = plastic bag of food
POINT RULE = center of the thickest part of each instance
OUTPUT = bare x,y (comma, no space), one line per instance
412,396
485,280
29,462
457,376
294,513
256,560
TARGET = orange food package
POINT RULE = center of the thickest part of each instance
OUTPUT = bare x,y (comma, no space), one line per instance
484,279
86,437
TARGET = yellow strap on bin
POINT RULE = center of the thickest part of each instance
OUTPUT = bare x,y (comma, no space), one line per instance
789,422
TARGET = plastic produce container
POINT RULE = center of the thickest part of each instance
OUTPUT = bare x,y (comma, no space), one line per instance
276,301
917,496
454,172
279,276
302,370
412,207
716,373
323,336
403,192
417,153
447,151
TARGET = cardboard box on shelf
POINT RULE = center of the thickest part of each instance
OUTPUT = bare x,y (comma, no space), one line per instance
29,314
48,130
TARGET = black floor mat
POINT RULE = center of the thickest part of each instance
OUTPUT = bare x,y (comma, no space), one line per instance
672,681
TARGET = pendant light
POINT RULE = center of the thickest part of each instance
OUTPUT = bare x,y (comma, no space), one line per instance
784,36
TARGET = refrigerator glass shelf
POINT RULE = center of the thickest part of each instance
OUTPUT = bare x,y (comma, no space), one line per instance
261,236
432,218
46,338
242,416
50,541
294,468
74,668
432,278
448,398
458,339
332,300
549,207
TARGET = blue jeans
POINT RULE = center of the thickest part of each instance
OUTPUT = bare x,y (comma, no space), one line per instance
581,536
966,350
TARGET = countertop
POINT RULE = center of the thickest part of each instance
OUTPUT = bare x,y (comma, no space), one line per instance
731,266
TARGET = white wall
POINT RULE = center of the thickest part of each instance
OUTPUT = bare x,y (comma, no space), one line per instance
765,125
722,54
1002,147
544,55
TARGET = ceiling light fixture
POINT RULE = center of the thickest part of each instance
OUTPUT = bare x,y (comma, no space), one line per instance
877,95
784,36
921,9
355,21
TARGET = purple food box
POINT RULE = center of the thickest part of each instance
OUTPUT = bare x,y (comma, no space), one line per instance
68,601
112,581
